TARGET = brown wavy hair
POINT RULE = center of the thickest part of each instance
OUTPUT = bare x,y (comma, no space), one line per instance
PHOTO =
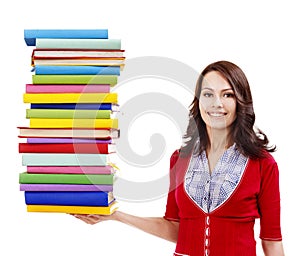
251,142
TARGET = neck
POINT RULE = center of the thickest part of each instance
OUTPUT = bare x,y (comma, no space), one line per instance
219,139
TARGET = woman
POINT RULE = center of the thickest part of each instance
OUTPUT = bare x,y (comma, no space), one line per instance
221,179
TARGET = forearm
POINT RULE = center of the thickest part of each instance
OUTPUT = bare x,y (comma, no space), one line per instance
156,226
272,248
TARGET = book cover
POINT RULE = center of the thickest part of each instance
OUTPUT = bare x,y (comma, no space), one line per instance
27,132
76,70
30,35
59,43
70,98
37,178
68,113
106,169
66,187
68,88
64,159
78,148
73,123
102,210
75,79
80,198
100,106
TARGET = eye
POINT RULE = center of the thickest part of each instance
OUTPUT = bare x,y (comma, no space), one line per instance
207,94
229,95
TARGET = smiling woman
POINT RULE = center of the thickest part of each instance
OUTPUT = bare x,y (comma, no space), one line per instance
221,179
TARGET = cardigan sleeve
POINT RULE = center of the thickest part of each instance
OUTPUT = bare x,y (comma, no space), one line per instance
171,212
269,201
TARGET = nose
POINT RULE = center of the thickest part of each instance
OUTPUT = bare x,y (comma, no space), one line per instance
218,102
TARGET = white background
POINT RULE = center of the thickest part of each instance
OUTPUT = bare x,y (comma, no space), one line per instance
260,36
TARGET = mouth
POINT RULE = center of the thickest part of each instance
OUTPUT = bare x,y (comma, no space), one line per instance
217,114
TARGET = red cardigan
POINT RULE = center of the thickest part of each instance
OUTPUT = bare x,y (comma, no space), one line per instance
229,229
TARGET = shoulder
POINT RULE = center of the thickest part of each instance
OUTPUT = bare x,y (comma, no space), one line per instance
267,164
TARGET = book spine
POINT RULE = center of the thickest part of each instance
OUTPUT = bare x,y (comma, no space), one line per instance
61,159
30,35
76,70
49,43
62,88
65,187
73,123
66,113
90,140
100,106
80,198
70,98
29,178
81,148
106,169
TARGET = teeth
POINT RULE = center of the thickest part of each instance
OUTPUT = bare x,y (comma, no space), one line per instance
216,114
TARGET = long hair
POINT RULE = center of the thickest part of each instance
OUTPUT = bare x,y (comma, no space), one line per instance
251,142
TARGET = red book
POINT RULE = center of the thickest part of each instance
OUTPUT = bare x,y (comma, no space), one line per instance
90,148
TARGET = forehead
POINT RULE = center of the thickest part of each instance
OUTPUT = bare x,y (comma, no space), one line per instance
214,80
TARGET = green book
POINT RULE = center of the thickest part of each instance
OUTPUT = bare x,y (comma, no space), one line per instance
68,113
61,159
75,79
78,43
38,178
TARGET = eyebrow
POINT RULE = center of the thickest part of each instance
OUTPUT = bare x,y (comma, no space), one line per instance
208,88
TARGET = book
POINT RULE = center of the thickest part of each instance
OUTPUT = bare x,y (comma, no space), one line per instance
78,148
78,43
65,187
73,123
68,113
103,210
27,132
69,140
105,169
70,98
76,70
75,53
37,178
80,198
64,159
30,35
75,79
67,88
87,61
100,106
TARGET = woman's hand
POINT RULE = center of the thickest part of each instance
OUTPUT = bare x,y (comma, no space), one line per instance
93,218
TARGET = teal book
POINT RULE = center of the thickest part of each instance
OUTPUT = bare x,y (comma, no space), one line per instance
38,178
30,35
66,43
61,159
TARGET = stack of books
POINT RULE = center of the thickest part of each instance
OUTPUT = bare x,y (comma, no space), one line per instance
72,126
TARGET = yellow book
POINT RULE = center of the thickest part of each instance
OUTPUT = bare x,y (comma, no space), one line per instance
70,98
103,210
73,123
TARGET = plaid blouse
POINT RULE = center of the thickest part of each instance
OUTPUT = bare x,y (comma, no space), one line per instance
207,190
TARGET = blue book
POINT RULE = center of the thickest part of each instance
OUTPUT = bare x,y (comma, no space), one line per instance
61,159
93,106
30,35
81,198
77,70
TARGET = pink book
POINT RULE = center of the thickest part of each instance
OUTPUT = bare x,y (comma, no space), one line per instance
70,88
72,169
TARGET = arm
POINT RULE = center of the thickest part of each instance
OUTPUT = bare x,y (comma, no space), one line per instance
156,226
271,248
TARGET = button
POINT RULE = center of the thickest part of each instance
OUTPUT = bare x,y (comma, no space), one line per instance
206,252
207,221
207,232
206,242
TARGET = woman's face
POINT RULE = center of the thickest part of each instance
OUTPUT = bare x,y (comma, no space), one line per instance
217,102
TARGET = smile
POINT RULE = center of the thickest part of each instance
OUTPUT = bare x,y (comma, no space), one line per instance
216,114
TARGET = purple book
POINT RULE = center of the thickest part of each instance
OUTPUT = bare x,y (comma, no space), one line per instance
65,187
66,140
